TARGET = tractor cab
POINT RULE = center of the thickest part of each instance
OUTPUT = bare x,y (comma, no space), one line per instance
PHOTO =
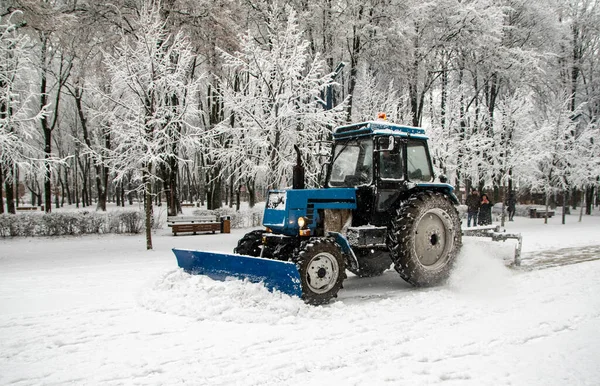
383,161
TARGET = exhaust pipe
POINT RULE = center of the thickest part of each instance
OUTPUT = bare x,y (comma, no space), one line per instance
298,171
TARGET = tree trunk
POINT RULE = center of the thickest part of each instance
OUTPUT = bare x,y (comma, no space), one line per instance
1,193
547,207
118,193
354,56
76,180
62,190
251,187
217,188
48,172
589,199
148,209
67,187
564,206
46,131
89,185
575,197
9,188
130,194
173,204
231,192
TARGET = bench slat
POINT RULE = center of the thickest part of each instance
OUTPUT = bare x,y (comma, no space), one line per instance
192,219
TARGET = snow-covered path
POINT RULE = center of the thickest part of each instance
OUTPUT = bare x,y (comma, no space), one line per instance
102,310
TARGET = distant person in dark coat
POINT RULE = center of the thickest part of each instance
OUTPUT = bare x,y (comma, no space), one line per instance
473,202
511,203
485,211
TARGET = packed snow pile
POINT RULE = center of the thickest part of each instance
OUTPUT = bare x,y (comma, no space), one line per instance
202,298
480,273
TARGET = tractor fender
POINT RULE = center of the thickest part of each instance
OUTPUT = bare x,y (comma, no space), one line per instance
346,248
446,189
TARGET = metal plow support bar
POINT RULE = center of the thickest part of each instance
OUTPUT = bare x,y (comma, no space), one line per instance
493,231
275,275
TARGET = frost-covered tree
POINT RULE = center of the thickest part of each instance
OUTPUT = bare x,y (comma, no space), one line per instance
17,119
276,104
554,154
151,108
373,97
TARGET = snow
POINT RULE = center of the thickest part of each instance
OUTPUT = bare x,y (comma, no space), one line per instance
103,310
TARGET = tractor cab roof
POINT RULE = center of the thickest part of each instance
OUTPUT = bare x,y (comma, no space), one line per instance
377,128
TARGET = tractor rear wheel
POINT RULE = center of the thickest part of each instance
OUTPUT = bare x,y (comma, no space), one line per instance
250,244
322,270
425,238
371,263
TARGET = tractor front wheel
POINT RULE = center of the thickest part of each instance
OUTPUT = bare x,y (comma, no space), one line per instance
322,270
425,239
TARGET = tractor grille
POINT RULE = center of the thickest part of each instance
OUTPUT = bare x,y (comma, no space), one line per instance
337,219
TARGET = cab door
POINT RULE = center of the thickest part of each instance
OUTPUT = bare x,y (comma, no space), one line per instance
390,172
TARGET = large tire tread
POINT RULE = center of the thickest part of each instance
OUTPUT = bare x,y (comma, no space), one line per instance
401,238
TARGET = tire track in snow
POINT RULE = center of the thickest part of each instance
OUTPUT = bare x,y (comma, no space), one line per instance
560,257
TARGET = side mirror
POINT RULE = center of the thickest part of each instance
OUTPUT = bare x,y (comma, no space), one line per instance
323,173
387,144
391,143
443,178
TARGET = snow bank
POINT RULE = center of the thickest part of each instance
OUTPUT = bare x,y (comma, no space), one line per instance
202,298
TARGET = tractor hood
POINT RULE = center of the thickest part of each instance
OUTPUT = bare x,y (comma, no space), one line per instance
284,207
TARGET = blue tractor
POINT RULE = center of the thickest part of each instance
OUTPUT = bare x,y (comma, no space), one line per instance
379,206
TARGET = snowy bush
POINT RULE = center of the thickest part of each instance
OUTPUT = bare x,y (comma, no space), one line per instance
126,222
70,223
8,225
27,224
91,222
58,224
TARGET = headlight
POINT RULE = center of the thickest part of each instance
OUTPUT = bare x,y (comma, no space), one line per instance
301,222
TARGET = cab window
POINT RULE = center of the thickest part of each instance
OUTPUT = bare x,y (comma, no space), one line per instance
390,165
418,166
352,163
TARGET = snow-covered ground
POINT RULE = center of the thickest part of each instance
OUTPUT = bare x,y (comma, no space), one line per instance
103,310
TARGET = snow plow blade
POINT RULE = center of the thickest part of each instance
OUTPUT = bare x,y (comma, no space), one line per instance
277,275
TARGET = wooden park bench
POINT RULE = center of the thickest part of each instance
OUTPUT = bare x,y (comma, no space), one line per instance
537,213
27,208
187,204
187,224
